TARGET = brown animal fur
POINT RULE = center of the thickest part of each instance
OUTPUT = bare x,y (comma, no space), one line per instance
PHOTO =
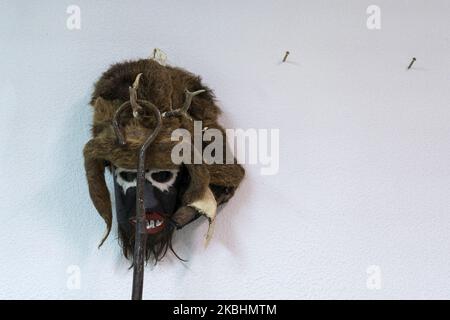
164,87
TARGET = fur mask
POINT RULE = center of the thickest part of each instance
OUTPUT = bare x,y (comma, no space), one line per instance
175,194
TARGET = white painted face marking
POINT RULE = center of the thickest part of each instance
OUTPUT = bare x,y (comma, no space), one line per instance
162,186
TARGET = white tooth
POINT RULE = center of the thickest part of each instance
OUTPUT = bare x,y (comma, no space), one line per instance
147,225
158,223
152,224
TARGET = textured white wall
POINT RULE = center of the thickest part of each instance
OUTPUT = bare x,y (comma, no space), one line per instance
364,157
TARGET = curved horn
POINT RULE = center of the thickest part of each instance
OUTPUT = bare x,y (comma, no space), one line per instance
98,191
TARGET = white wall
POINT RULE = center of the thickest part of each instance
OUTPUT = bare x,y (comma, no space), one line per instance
364,153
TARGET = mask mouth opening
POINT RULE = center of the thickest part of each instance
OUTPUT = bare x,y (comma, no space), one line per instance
155,222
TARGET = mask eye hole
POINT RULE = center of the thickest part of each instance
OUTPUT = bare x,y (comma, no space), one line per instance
126,179
161,176
162,179
128,176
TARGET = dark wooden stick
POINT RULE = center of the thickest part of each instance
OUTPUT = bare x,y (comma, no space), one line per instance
140,237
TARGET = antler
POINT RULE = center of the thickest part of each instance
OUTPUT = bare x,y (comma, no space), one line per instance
187,103
133,97
137,111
